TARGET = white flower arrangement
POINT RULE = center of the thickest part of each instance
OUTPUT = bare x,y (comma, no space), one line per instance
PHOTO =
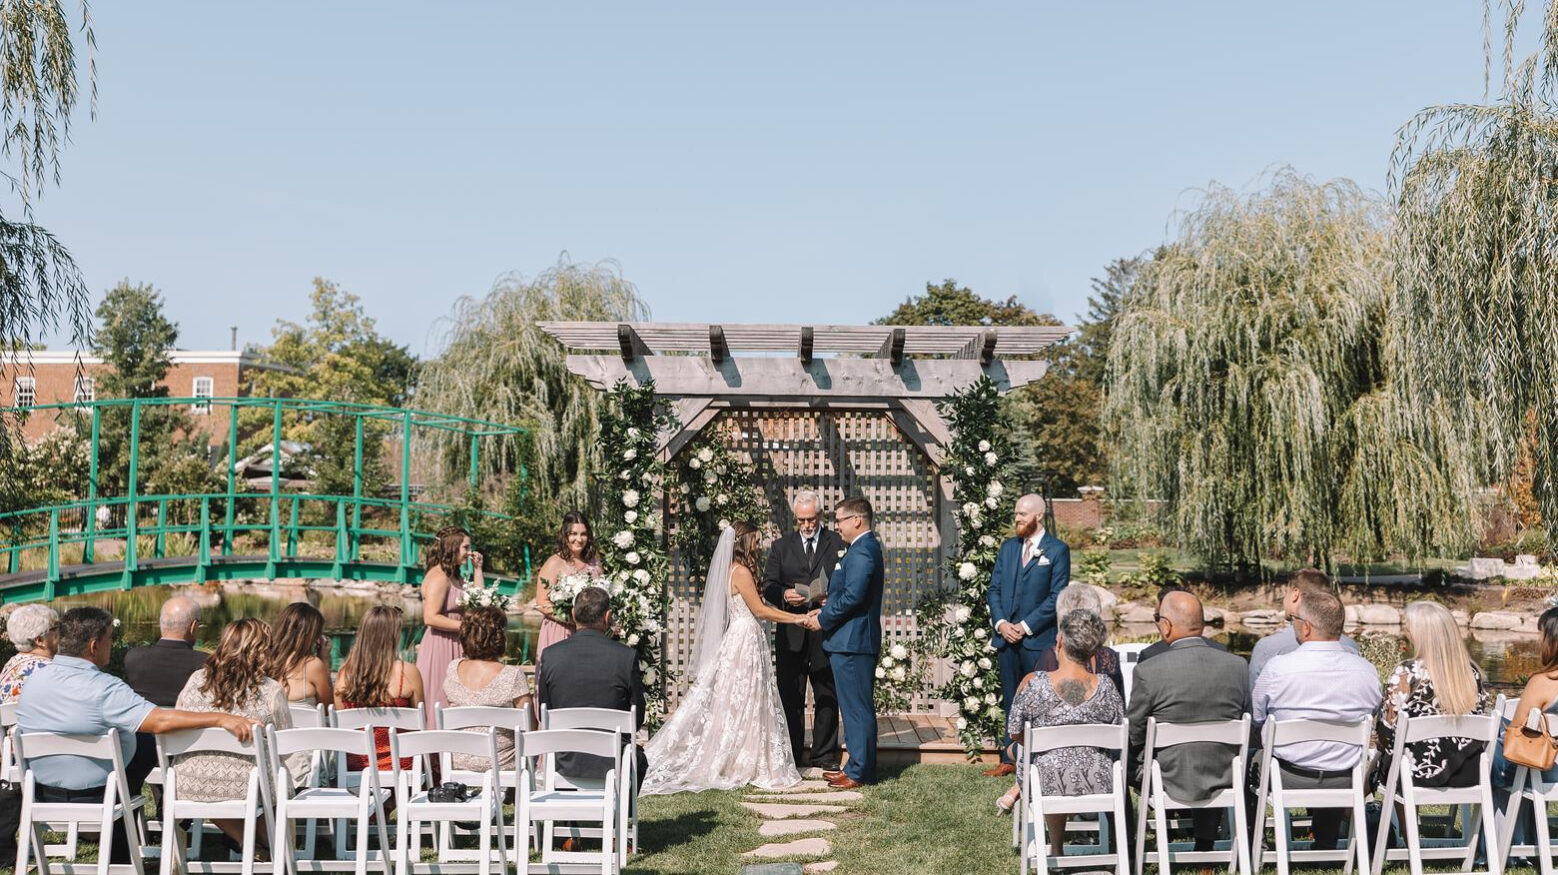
702,504
898,651
990,459
568,587
630,498
630,454
694,464
984,446
705,455
967,571
623,539
632,557
630,517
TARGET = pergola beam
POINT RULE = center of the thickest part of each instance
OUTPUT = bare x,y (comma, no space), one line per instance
631,345
787,378
892,347
981,346
718,350
808,337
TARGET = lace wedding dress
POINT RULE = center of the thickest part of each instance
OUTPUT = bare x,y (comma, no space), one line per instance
729,730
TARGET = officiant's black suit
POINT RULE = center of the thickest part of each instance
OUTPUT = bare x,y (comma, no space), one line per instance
798,655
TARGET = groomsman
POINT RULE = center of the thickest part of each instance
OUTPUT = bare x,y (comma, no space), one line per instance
1030,571
806,557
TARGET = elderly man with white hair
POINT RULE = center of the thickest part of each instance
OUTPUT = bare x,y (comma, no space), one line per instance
795,579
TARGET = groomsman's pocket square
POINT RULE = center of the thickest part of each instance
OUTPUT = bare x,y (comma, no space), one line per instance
1044,560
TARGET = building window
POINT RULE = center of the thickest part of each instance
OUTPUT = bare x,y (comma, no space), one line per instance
203,389
86,390
26,391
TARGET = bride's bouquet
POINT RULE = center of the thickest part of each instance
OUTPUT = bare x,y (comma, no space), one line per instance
489,596
563,591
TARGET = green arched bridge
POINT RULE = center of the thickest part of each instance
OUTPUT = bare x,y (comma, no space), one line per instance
264,525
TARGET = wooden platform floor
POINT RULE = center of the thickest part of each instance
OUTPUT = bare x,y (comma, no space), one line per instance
916,738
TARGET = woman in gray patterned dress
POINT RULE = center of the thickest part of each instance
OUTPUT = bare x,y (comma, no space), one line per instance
1069,695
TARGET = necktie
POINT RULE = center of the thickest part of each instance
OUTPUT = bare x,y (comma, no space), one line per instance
1027,552
811,550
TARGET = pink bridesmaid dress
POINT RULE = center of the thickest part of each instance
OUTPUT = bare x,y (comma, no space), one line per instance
553,631
438,649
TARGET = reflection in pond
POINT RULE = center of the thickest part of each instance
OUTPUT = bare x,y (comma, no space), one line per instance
137,612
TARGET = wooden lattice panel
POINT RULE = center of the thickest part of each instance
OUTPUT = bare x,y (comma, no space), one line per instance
836,454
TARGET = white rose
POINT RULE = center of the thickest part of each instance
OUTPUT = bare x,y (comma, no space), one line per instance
630,498
968,670
887,661
630,517
631,558
641,575
652,627
623,539
633,432
722,499
979,683
702,504
651,676
989,698
984,663
962,614
984,446
991,502
630,454
961,724
881,672
995,487
898,673
624,475
686,490
899,651
995,712
986,541
957,632
971,703
967,571
990,459
970,508
694,464
706,454
633,640
979,633
708,477
969,470
616,587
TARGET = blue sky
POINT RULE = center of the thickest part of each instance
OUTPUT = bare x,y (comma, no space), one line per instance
742,162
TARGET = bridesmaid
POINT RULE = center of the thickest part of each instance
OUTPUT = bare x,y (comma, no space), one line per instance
575,552
441,593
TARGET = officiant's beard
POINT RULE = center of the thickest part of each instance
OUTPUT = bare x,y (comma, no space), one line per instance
1026,530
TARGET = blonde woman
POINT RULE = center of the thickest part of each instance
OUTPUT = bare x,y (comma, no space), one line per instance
1439,680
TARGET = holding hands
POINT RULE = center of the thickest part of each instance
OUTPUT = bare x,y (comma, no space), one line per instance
809,621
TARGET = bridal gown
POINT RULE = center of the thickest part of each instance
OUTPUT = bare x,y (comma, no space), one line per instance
729,730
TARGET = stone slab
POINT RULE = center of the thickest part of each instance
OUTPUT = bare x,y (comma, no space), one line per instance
824,866
799,848
806,786
774,811
772,869
1496,620
771,828
820,798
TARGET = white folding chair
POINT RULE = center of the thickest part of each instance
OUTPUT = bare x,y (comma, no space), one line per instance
541,800
1283,799
363,804
1401,790
413,805
257,801
1108,737
1155,795
482,716
391,719
308,716
117,804
608,720
1130,655
1529,787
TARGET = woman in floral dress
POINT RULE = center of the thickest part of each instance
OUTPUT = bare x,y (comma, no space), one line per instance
1439,680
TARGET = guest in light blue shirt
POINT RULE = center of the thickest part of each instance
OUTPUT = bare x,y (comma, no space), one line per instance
1285,640
73,696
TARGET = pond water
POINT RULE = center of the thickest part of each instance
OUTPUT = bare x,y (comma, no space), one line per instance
137,612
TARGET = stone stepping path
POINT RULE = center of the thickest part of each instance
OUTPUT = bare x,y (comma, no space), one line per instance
798,810
771,828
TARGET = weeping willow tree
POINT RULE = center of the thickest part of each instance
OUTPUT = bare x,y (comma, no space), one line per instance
1249,384
1476,253
498,365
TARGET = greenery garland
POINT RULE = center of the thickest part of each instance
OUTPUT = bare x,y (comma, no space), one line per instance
714,489
632,546
955,623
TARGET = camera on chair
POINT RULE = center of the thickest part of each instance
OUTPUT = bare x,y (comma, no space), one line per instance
449,791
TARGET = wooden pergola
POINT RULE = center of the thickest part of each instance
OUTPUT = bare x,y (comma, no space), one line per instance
840,409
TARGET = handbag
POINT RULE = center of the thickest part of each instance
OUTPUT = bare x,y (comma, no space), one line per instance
1532,748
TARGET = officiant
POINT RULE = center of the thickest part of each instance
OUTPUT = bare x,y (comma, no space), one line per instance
795,579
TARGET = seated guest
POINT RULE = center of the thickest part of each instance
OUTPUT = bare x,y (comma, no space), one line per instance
1541,693
233,681
481,678
72,695
1070,694
589,670
159,671
1161,645
34,629
1105,661
1284,640
1321,680
1440,679
374,676
298,652
1190,682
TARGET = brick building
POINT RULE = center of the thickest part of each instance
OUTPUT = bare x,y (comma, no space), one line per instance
39,377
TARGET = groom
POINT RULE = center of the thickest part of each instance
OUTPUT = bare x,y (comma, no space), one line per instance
851,625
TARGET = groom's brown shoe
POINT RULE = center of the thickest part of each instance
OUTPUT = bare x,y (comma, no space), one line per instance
1001,771
832,774
844,782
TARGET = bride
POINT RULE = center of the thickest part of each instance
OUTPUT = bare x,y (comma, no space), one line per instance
729,730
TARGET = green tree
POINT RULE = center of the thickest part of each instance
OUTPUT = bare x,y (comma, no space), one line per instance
952,304
336,354
497,364
1476,255
1250,387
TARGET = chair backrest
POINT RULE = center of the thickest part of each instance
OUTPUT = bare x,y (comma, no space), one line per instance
1477,727
1103,736
1354,732
418,745
284,742
1130,653
308,716
608,719
553,741
183,741
37,745
392,718
472,716
8,714
1163,735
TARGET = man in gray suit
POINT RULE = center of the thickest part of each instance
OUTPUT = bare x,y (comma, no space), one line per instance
1190,682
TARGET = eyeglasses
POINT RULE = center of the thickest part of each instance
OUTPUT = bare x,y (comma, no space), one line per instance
852,516
1300,618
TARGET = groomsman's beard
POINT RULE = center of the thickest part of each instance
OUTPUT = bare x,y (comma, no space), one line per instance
1027,530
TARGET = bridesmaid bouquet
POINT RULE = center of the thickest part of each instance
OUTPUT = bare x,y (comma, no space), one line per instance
563,591
484,597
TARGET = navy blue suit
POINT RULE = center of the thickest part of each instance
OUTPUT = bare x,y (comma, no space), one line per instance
1026,594
851,624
